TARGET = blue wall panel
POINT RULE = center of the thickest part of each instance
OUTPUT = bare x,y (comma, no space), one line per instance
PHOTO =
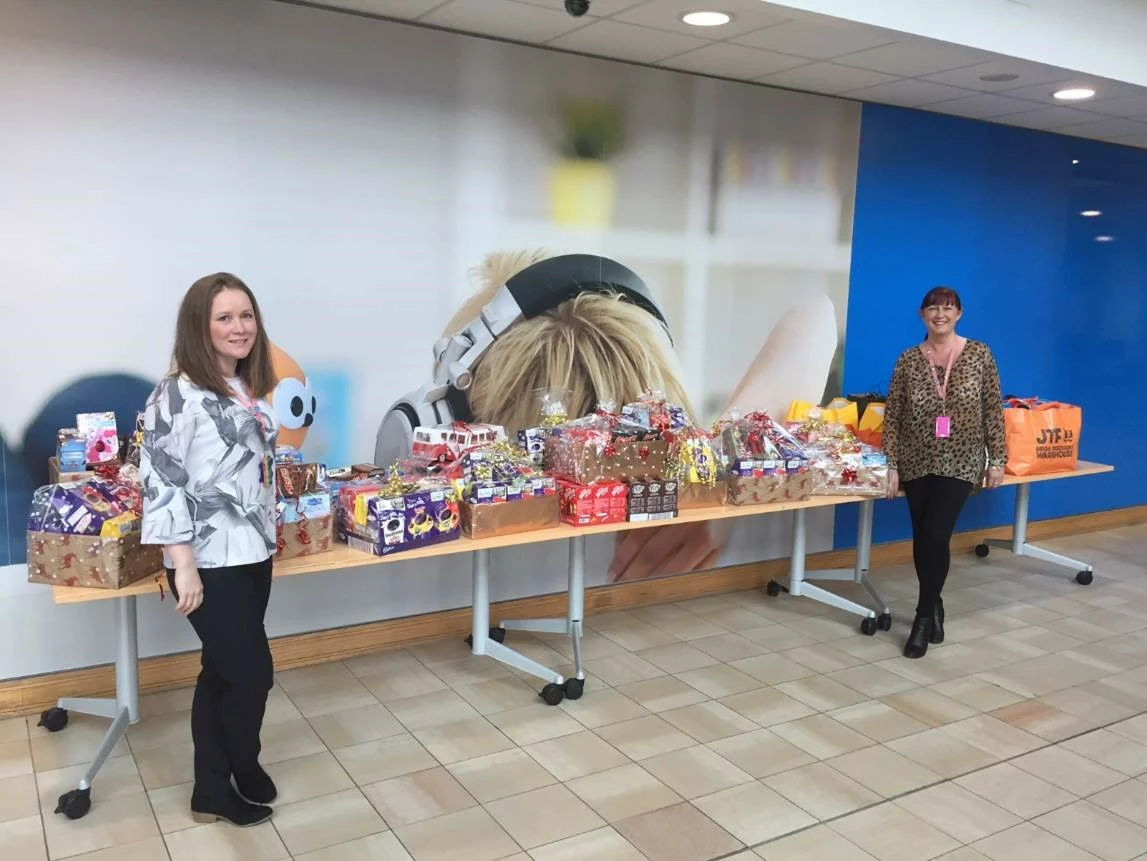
994,212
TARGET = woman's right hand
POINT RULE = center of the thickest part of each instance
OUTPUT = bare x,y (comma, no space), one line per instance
189,588
893,483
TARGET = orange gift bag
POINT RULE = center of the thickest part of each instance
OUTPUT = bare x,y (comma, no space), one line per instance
1042,436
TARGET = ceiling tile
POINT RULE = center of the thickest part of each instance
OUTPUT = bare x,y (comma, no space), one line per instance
732,61
1132,140
982,106
908,93
817,40
826,78
968,77
507,19
1124,106
387,8
626,42
597,8
914,58
748,15
1104,90
1047,118
1104,129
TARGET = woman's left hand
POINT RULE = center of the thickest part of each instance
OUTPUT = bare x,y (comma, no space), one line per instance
994,477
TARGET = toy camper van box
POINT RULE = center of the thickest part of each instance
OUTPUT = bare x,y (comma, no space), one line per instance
446,443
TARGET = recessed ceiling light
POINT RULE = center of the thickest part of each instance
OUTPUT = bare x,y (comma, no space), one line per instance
999,78
707,19
1074,94
1091,213
1105,239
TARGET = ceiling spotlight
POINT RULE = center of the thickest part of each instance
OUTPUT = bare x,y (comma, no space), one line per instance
1105,239
1075,161
999,78
1074,94
1091,213
706,19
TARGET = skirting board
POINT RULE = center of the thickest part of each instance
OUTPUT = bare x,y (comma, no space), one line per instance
33,694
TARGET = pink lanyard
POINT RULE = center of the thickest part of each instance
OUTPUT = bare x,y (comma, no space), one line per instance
942,389
249,403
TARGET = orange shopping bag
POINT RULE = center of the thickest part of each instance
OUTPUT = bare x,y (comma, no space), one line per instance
1042,436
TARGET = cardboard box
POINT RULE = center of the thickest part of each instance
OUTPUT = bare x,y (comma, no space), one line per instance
416,519
765,489
57,477
593,504
89,560
652,500
305,537
487,520
577,462
691,495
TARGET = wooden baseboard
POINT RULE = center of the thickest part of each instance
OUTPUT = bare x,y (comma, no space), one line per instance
33,694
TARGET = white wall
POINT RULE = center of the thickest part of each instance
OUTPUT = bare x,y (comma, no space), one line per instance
351,171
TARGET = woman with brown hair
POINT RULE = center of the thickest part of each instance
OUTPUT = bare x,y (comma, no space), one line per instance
944,437
207,467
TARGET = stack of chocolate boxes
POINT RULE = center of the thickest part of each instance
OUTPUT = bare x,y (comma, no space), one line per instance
304,520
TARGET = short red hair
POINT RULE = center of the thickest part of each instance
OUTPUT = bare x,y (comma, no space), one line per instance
941,296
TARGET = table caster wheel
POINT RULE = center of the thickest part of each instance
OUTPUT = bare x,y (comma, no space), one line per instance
884,621
773,588
75,804
868,627
574,688
982,550
53,719
1083,578
498,635
552,694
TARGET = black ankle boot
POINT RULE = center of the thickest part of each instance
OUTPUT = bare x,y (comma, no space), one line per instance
917,644
937,623
230,808
257,786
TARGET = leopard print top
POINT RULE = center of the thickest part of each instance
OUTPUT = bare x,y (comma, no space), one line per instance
974,405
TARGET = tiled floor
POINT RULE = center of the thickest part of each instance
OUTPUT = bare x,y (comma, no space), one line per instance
736,726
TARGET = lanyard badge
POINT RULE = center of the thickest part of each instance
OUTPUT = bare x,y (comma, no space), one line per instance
943,421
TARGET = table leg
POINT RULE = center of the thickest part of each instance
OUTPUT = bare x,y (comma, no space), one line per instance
1019,545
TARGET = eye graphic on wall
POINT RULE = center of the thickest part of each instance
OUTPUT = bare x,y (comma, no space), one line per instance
294,403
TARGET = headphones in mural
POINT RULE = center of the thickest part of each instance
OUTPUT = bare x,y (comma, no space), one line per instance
530,293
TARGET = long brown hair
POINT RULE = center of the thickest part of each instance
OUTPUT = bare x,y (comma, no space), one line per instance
195,357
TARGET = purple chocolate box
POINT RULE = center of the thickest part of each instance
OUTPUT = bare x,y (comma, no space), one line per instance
418,519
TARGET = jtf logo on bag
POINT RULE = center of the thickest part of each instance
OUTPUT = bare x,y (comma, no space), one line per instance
1054,436
1055,444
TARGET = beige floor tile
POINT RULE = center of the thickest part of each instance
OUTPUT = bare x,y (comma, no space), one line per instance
289,740
821,736
24,839
329,697
576,755
1128,800
325,821
18,798
820,843
677,657
499,694
967,853
878,721
1099,831
772,669
695,771
466,739
469,670
387,661
993,736
436,708
118,777
822,791
75,745
1027,842
543,816
957,812
280,709
308,777
662,693
604,844
13,729
678,833
1084,704
822,658
602,708
622,792
930,707
709,721
1069,770
930,672
625,669
1043,720
373,761
754,813
942,753
221,842
498,775
822,693
402,684
644,737
415,797
111,822
1134,728
633,635
729,647
164,730
978,694
884,771
376,847
444,650
719,680
1113,750
890,833
1015,790
870,650
308,677
1040,676
761,753
534,723
767,706
171,806
356,726
166,766
151,849
873,681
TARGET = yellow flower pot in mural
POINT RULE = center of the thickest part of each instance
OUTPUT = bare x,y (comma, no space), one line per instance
582,193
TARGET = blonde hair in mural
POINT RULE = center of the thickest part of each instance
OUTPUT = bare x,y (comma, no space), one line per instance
593,348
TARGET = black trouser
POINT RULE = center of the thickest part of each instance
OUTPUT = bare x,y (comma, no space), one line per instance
236,675
934,502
